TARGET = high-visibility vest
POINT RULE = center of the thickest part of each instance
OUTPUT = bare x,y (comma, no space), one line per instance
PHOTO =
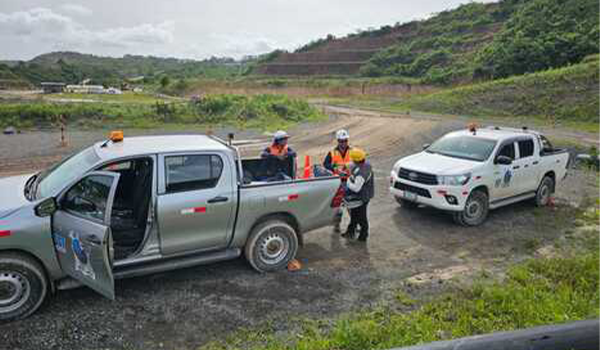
340,162
276,150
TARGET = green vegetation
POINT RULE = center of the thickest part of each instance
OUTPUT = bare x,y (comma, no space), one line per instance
479,41
565,96
126,97
542,34
458,46
561,96
268,112
72,68
441,49
537,292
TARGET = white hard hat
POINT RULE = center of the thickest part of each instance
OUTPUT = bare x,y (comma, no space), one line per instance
280,135
342,135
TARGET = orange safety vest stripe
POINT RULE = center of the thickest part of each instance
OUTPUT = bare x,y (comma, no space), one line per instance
339,160
340,163
278,151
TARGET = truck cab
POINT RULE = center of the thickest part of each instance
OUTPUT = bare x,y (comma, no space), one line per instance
469,172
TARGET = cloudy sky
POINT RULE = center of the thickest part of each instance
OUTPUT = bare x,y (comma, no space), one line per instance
191,28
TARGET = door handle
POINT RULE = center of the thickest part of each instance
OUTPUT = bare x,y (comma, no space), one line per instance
516,167
218,199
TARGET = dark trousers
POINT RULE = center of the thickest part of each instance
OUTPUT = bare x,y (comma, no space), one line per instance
358,217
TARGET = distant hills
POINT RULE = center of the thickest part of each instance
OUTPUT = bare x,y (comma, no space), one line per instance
474,41
73,67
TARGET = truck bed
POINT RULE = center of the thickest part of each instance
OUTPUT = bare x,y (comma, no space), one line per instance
307,203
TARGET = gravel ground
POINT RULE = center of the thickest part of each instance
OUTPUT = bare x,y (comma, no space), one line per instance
184,309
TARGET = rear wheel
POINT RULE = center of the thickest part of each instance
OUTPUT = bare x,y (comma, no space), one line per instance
544,191
271,246
23,286
476,210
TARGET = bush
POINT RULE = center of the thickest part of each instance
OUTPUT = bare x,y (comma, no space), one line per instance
262,111
543,34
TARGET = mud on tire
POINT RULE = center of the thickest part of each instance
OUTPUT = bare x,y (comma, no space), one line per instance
271,245
23,286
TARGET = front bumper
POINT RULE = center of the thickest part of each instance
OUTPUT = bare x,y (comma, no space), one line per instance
451,198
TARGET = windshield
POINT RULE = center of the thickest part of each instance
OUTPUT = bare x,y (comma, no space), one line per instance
70,168
464,147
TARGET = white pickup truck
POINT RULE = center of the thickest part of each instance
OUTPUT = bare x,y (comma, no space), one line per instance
471,171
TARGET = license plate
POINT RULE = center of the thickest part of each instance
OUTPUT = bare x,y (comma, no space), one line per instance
410,196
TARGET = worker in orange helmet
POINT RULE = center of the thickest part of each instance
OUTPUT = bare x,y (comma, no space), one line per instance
337,161
279,154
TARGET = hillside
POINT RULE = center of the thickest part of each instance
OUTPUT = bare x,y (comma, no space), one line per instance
73,67
565,96
362,52
474,41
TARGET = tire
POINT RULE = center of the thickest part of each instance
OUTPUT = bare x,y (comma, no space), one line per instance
271,245
23,286
476,210
544,191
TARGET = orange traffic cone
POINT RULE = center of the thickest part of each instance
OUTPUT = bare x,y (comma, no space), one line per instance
307,168
294,265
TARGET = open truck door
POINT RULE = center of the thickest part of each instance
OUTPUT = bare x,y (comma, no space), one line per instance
81,231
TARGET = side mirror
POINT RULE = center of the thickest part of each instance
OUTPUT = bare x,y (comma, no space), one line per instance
503,160
426,146
46,208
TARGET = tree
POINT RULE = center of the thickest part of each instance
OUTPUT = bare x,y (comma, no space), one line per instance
165,81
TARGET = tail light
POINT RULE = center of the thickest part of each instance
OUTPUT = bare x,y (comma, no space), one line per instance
337,200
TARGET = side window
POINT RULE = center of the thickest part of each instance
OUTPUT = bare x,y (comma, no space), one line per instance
546,145
88,198
508,150
193,172
525,148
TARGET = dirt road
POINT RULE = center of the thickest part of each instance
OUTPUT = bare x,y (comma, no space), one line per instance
185,309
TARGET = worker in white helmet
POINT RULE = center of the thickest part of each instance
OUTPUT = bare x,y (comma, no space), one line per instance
338,161
281,158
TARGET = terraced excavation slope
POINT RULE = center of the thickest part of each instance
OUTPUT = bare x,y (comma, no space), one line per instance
469,25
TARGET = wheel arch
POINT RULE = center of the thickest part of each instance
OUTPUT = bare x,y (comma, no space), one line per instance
36,259
552,175
289,218
483,188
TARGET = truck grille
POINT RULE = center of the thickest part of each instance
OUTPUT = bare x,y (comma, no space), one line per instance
408,188
417,176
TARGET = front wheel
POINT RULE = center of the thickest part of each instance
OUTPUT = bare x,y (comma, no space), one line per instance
544,191
476,210
271,246
23,286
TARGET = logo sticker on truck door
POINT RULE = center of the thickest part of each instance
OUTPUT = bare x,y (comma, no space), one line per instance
82,259
504,181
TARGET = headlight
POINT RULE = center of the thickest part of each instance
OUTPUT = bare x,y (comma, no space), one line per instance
396,168
454,180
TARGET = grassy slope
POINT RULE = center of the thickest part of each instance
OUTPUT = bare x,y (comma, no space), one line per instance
540,291
565,96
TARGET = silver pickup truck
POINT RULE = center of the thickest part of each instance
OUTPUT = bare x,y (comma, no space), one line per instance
141,205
